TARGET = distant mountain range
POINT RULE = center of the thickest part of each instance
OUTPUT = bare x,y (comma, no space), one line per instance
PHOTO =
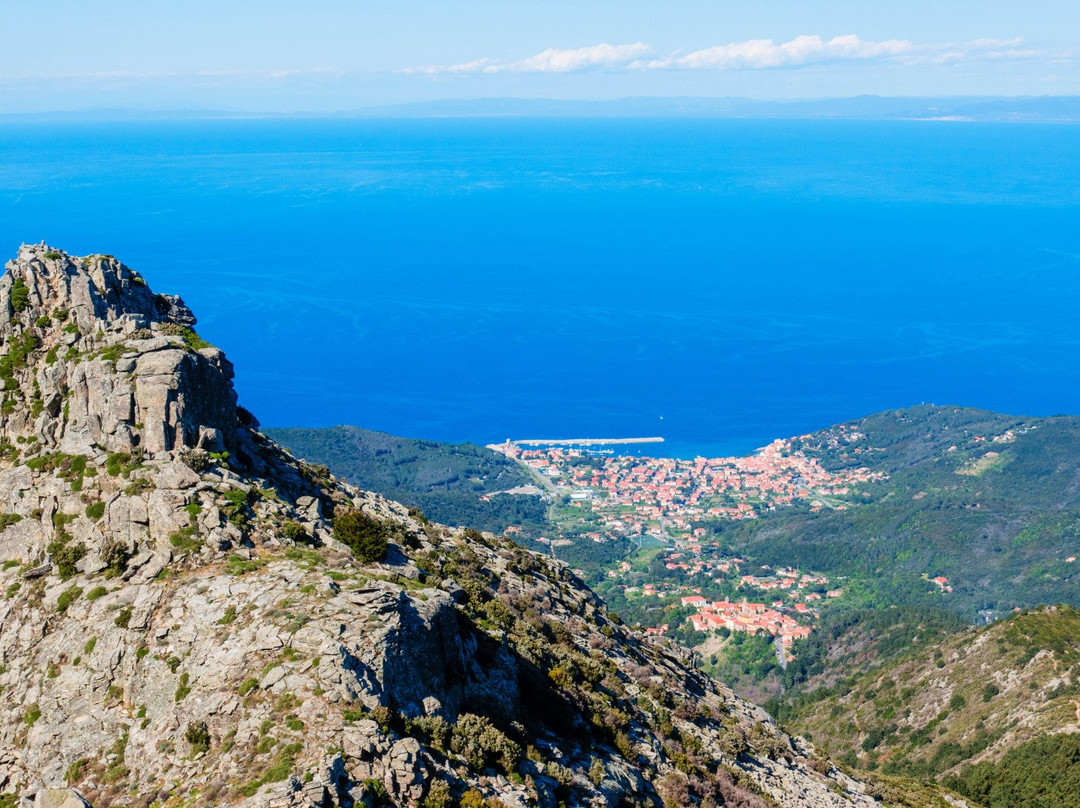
1018,109
961,108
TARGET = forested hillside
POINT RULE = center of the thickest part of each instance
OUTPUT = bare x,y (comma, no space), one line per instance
991,502
980,711
449,482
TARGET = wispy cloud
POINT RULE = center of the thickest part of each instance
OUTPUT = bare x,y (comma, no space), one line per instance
751,54
802,50
552,60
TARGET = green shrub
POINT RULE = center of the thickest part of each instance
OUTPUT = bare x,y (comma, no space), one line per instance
76,771
32,714
20,295
365,536
192,341
294,531
67,597
377,791
122,463
196,460
123,618
237,505
183,688
438,796
473,799
197,735
66,556
477,740
186,540
238,565
97,592
114,555
247,685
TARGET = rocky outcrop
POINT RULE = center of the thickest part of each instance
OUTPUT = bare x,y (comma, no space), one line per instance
180,625
123,365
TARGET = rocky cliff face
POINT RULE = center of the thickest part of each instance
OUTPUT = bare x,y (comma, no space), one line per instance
181,627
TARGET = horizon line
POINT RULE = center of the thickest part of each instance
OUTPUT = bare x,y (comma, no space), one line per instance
708,106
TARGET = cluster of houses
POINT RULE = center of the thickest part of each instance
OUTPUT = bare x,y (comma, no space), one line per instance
625,496
753,618
639,495
790,618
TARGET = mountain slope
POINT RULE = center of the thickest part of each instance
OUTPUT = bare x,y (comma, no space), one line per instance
981,697
456,484
193,617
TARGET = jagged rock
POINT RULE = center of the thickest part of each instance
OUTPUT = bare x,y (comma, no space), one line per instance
177,475
362,740
406,770
59,798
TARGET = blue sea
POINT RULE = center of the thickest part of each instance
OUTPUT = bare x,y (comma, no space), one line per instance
715,282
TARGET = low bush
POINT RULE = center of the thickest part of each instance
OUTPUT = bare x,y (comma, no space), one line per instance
197,735
367,537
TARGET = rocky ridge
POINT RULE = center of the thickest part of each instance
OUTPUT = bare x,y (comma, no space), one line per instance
182,626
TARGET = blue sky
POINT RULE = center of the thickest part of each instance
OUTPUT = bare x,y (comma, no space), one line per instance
324,55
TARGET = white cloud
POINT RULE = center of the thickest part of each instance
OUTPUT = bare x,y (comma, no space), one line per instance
803,50
751,54
552,60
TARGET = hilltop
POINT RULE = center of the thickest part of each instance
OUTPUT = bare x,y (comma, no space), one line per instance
993,712
194,617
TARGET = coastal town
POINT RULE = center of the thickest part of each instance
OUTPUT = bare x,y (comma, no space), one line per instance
663,503
627,496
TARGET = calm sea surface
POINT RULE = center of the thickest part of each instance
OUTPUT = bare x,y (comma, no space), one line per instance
719,283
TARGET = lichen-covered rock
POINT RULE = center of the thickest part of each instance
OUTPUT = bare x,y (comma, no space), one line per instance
181,627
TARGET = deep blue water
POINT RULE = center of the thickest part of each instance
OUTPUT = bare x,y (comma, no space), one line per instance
719,283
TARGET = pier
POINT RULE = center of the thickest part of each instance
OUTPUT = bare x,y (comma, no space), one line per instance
584,441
